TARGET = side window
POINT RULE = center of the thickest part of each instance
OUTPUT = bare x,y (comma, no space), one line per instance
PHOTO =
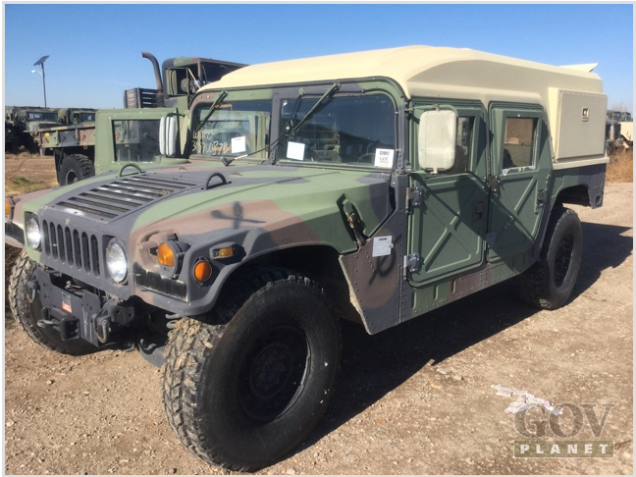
519,140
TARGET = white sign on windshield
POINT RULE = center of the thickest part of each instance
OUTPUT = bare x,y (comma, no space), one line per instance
238,144
296,151
384,158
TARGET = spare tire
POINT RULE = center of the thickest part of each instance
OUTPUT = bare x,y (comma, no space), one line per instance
75,167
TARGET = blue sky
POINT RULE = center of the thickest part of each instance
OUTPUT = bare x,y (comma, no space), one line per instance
95,50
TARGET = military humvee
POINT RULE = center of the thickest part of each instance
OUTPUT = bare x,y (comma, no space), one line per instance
371,186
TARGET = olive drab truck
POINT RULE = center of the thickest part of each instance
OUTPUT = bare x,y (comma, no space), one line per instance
21,124
74,143
373,186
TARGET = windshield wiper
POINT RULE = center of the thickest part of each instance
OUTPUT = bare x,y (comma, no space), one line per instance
222,95
334,87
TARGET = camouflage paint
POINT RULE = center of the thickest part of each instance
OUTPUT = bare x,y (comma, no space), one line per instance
262,209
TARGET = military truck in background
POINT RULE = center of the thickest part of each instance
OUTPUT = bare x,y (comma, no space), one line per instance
177,81
21,124
72,137
373,186
75,146
619,131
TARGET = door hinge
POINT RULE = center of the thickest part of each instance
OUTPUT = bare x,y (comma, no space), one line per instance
413,198
412,264
541,197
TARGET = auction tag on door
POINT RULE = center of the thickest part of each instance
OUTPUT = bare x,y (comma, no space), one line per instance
238,144
382,246
384,158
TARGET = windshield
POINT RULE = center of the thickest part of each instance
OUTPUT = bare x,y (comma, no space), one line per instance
37,116
136,140
356,130
235,129
86,117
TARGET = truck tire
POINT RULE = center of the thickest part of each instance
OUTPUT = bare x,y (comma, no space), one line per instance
242,389
27,308
548,283
75,167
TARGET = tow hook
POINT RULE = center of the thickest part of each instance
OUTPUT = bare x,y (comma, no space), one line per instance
32,288
102,328
45,324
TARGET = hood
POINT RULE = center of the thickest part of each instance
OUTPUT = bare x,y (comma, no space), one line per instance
190,198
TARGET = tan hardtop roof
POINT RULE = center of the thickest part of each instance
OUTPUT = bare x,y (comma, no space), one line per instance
424,71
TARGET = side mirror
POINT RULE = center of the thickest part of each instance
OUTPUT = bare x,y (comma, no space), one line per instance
437,137
168,136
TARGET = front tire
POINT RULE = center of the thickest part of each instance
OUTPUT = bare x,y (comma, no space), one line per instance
244,389
26,308
74,168
548,283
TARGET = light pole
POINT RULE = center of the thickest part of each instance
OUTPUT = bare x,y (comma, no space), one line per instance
41,63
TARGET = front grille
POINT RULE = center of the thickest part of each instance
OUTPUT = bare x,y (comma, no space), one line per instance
72,247
118,198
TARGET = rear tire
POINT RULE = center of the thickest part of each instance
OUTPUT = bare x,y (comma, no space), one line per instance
26,309
246,388
74,168
548,283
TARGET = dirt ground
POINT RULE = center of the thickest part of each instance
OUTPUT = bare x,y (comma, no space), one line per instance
416,399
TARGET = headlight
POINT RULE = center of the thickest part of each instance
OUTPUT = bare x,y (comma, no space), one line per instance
34,236
116,261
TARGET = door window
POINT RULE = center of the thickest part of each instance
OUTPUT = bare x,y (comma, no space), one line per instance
519,140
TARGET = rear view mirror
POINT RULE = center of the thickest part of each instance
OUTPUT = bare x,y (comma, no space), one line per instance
437,136
168,136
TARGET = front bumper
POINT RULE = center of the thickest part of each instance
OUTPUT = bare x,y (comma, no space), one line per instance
78,313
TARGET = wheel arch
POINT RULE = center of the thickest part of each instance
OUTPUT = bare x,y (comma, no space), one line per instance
579,195
319,263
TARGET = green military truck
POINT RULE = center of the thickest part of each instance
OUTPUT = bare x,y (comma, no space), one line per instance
177,81
77,151
373,187
72,143
21,124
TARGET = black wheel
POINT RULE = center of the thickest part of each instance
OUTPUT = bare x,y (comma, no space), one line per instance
75,167
243,389
548,284
27,308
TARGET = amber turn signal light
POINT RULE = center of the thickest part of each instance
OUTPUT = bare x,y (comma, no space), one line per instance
202,271
165,255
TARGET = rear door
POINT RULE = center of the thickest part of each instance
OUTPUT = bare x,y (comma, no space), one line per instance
520,170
